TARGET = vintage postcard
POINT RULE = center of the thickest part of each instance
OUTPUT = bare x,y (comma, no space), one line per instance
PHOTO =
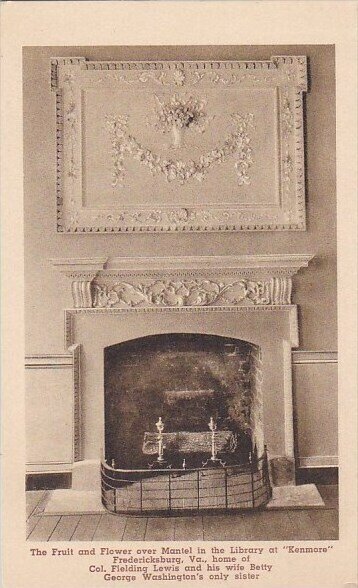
179,299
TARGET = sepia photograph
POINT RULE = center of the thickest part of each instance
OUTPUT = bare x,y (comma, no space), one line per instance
180,280
179,302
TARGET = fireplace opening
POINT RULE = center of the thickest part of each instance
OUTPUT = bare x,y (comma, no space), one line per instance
186,380
183,425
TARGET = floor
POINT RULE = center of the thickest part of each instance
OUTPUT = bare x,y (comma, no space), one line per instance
303,524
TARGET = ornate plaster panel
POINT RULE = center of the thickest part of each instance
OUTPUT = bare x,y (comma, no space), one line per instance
179,146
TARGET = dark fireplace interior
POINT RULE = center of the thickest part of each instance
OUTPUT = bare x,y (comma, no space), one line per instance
185,379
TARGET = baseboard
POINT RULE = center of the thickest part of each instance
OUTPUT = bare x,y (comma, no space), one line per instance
48,481
317,475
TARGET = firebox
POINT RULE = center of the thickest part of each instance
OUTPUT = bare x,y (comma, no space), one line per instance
183,424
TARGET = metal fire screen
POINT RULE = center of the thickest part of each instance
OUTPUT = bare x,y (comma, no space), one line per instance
173,491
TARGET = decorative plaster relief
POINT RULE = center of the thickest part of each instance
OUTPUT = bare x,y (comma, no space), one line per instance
182,284
237,143
192,293
179,146
226,281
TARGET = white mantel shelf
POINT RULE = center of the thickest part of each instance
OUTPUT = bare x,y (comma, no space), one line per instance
293,261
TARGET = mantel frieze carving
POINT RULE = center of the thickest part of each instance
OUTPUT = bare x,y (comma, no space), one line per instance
182,282
194,292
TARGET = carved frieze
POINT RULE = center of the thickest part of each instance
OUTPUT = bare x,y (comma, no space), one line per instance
182,282
199,292
179,146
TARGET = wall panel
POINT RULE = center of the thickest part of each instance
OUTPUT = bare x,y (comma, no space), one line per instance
49,414
315,386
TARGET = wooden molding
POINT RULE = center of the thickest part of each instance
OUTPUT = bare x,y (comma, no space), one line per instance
48,467
182,281
71,313
57,361
318,461
304,357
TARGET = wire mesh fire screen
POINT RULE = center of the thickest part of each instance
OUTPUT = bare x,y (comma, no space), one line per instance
174,491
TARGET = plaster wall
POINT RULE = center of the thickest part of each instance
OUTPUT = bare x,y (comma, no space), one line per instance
47,293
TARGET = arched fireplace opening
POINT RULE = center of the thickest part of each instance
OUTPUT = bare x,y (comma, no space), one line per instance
186,379
183,424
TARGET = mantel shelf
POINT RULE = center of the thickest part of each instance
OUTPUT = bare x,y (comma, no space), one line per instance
294,261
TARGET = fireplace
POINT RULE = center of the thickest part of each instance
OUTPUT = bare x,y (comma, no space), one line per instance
205,391
185,339
184,378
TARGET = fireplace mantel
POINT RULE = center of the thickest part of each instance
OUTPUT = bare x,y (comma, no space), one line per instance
149,282
246,297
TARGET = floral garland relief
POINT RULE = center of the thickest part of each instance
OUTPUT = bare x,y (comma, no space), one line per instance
178,116
180,293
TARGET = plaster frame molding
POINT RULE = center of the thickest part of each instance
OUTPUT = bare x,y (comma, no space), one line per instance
286,75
